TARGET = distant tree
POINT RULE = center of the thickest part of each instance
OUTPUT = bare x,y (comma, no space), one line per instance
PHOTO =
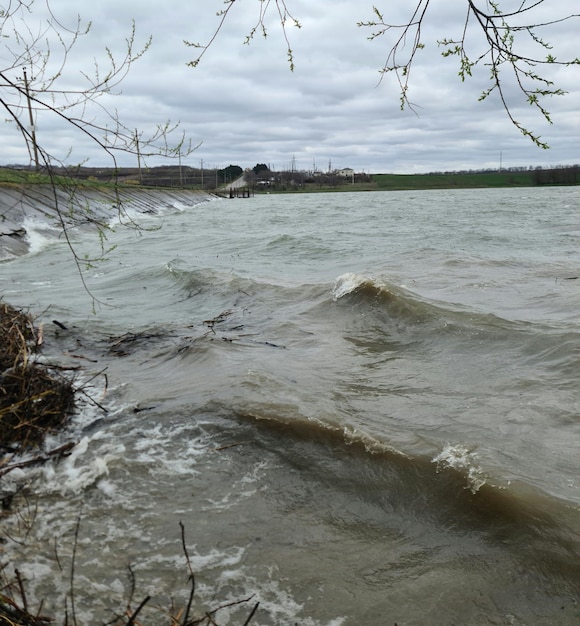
508,34
229,174
260,168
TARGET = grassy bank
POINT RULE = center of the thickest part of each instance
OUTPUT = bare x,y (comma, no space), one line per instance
467,180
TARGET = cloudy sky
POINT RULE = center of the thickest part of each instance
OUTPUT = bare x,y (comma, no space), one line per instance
245,106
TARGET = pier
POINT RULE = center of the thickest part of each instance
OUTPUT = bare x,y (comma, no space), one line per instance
241,192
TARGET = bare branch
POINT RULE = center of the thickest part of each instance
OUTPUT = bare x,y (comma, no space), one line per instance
506,35
500,52
284,15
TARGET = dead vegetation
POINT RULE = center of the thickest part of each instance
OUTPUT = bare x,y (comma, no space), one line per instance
34,399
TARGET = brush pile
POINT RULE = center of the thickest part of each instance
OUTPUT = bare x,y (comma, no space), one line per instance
34,401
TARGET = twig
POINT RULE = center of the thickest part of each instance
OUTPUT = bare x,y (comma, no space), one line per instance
88,382
133,585
137,610
21,588
189,602
191,575
92,400
72,571
40,336
79,356
56,555
231,445
252,613
209,615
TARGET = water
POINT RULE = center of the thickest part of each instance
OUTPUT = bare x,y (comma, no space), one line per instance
363,408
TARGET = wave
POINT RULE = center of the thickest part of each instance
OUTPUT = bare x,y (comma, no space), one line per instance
447,489
404,308
364,351
366,311
400,310
449,486
450,483
378,294
360,291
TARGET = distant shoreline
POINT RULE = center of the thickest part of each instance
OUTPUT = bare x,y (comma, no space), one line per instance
172,179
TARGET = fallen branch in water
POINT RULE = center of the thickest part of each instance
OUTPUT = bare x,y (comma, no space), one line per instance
60,452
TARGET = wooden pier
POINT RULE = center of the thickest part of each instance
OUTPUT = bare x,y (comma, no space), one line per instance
241,192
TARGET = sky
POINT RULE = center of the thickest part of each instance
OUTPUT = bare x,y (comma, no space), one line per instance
243,104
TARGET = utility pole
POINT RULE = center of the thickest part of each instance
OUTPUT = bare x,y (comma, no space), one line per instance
138,155
201,163
31,118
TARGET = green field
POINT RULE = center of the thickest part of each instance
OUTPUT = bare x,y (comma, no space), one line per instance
25,177
467,180
409,182
8,175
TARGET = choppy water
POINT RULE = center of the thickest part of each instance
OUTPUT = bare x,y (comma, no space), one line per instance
364,409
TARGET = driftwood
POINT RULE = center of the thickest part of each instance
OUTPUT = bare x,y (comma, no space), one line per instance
61,451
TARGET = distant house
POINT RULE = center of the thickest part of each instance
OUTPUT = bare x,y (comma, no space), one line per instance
346,172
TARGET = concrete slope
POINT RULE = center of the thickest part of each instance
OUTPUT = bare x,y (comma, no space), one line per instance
58,206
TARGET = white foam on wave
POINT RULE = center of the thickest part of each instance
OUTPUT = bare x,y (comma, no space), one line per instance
87,464
128,215
81,469
459,457
347,283
155,447
244,487
279,605
179,206
39,234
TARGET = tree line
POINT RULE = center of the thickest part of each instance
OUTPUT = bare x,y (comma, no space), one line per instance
261,177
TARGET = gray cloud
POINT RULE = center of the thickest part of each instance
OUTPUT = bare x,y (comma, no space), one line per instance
246,106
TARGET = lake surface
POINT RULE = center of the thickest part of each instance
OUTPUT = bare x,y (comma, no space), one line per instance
363,408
